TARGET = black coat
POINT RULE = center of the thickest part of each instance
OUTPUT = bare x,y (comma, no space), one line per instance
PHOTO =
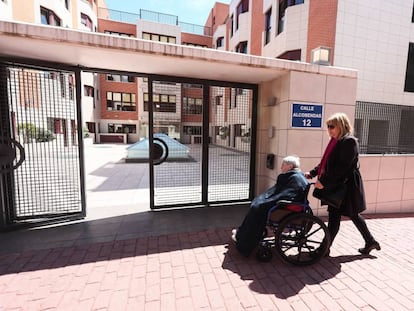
342,166
289,186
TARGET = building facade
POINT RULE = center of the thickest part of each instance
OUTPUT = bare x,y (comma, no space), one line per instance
374,39
122,98
75,14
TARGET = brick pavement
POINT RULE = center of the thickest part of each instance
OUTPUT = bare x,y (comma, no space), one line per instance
201,270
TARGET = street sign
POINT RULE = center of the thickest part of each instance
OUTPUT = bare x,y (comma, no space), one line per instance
307,115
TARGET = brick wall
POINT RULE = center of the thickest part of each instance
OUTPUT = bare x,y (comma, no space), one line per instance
257,27
117,87
321,25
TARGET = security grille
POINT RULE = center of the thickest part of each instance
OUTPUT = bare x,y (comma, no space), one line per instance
383,128
229,148
207,129
43,115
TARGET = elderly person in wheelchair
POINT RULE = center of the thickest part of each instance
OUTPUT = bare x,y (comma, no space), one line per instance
291,185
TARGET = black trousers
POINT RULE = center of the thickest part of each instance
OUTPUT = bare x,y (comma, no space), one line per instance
334,221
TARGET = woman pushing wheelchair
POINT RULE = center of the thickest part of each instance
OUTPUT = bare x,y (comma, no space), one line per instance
339,164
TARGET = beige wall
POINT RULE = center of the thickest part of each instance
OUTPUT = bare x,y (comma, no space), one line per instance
389,182
26,15
388,179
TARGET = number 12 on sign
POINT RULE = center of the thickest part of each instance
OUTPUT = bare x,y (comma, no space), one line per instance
307,122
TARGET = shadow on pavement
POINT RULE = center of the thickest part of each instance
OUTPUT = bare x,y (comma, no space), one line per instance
282,279
138,234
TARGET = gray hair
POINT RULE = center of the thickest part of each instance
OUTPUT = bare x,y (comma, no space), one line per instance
293,160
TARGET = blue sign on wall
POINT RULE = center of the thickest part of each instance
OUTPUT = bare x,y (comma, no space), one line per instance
306,115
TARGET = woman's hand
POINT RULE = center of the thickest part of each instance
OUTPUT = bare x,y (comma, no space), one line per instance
308,175
319,185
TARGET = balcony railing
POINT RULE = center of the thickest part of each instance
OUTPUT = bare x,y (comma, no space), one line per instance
156,17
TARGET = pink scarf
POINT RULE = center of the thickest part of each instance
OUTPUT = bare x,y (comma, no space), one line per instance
328,150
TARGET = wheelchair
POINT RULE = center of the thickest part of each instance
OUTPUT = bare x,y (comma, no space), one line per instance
298,237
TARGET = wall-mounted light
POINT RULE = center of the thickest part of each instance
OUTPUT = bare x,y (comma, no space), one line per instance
321,56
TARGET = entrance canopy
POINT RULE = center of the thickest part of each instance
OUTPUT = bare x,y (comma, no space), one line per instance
97,50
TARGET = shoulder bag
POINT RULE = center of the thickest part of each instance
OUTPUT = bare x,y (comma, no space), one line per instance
333,195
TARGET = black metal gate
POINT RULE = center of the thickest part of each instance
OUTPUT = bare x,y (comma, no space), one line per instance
200,133
40,164
202,136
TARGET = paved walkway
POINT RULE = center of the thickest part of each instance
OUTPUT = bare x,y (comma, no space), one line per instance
124,257
175,266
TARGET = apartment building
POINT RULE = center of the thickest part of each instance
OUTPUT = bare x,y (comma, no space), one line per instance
376,39
115,105
177,107
40,116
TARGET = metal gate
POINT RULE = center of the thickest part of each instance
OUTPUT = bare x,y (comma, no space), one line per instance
200,134
202,138
40,164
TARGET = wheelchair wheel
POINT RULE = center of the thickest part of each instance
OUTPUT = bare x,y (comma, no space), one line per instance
302,239
264,254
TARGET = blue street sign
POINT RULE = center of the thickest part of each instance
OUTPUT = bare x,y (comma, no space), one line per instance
306,115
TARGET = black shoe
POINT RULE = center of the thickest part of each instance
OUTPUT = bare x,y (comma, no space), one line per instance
369,247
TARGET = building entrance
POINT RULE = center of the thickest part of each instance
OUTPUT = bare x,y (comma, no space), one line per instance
192,139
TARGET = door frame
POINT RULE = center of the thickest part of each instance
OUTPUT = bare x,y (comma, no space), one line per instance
207,84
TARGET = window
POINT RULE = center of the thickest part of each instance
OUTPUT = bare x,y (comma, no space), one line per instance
121,128
283,5
412,16
384,128
120,78
291,55
160,38
48,17
233,98
219,99
231,26
409,74
88,91
242,47
71,79
238,130
192,105
281,20
162,102
193,44
62,81
120,101
192,130
241,8
121,34
268,25
86,21
192,86
219,42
